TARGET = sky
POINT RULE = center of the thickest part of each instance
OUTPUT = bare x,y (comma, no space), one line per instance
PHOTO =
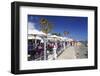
76,26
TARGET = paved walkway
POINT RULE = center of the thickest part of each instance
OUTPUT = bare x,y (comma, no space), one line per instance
69,53
73,52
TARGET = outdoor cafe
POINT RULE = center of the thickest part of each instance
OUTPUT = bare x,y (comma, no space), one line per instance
46,47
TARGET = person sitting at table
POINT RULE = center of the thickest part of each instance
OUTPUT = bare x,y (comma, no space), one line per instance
39,50
50,48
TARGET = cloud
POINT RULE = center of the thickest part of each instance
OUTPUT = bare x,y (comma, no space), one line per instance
31,25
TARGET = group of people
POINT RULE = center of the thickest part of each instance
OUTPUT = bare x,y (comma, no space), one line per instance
36,50
54,48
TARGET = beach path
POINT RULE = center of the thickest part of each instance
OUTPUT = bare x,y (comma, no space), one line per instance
68,53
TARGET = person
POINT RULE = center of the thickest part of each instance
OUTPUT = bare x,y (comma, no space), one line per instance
31,50
50,48
54,51
39,49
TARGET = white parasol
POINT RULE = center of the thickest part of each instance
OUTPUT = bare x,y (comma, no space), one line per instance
36,32
53,37
33,37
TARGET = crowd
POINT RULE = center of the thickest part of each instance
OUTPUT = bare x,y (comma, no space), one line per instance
36,50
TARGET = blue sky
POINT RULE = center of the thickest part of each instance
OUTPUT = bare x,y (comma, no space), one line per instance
76,26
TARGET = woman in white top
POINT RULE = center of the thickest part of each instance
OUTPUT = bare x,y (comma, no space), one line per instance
54,51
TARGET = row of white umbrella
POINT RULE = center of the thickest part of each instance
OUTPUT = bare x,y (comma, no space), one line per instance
35,34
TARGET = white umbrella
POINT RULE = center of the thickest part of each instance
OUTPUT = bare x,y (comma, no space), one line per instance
53,37
36,32
62,38
70,39
66,39
33,37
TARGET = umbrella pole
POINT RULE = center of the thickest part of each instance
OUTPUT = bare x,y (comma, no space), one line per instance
64,44
55,50
35,39
44,48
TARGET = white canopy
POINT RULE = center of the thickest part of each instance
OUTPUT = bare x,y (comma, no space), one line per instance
70,39
66,39
33,37
53,36
36,32
62,38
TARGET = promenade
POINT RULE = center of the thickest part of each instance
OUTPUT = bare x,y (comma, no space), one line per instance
74,52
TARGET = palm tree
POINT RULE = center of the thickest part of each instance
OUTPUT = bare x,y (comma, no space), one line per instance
45,25
66,33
